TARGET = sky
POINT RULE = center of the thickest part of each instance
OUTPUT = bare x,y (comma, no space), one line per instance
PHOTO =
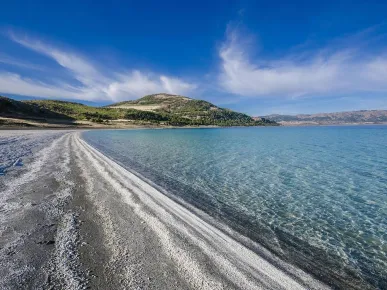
256,57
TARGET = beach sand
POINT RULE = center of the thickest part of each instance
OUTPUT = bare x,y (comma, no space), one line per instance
71,218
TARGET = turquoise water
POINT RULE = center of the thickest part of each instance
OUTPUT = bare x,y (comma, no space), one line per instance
315,196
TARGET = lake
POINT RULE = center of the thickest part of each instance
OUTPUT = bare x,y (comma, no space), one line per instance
314,196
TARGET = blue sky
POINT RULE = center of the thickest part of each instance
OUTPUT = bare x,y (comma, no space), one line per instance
258,57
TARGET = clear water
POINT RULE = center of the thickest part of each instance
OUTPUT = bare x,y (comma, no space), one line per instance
315,196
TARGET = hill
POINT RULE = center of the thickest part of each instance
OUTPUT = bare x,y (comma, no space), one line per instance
154,110
16,109
189,111
15,113
351,117
81,112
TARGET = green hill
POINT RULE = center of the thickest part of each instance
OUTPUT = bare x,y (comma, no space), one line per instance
190,111
159,109
20,110
82,112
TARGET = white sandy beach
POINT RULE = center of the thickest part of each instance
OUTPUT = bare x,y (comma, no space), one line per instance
71,218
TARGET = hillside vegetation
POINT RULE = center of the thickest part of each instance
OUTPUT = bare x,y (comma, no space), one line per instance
17,109
189,111
160,109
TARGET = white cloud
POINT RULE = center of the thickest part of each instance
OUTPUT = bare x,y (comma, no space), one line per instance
324,73
137,83
11,83
5,59
92,83
176,85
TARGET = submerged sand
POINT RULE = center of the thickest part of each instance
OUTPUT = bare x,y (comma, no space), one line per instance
71,218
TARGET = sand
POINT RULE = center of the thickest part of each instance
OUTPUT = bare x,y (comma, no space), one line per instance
71,218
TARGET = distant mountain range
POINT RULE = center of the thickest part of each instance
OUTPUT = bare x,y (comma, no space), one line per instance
351,117
152,110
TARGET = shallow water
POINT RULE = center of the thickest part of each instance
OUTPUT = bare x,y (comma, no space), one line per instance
315,196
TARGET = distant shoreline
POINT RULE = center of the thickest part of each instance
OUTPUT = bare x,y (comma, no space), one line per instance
283,124
334,118
24,124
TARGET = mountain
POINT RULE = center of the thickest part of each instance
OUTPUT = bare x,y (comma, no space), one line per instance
189,111
152,110
351,117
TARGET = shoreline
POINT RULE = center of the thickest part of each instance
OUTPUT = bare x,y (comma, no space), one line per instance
330,125
118,229
144,127
275,245
221,227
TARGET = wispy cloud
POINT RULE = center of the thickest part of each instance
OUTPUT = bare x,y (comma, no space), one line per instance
8,60
11,83
89,80
337,70
330,71
138,84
